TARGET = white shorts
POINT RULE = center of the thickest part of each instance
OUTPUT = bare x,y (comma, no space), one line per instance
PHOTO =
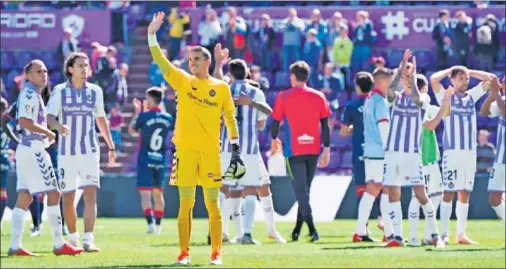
497,178
252,176
459,168
374,170
433,179
265,178
79,171
34,169
403,169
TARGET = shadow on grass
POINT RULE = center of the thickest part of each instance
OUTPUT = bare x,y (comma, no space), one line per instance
353,247
150,266
176,244
466,249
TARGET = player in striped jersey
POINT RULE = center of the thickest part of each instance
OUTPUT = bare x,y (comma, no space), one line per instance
376,128
78,105
494,107
459,144
430,157
34,169
249,120
402,154
231,201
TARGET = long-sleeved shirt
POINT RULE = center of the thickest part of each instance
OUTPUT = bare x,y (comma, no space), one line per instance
460,38
440,32
321,28
292,32
209,32
363,35
177,22
341,51
312,52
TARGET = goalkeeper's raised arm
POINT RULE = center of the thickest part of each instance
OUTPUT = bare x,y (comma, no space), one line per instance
170,72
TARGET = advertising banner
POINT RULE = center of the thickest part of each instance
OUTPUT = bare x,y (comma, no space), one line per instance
43,29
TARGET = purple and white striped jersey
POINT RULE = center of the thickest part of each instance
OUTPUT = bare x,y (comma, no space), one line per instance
406,120
460,126
77,109
31,106
247,118
500,157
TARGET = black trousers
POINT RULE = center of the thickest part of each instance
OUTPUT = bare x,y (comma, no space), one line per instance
302,169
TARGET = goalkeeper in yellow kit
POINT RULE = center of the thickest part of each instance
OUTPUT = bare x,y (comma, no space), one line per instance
201,102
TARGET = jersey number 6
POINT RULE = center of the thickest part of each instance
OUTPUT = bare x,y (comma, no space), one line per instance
156,140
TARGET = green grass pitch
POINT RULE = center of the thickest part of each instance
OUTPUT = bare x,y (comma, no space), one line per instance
124,244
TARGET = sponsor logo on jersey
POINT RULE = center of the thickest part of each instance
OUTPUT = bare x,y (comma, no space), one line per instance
305,139
212,93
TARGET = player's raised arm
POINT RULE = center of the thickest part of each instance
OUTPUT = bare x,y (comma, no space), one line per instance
395,84
10,114
220,58
135,124
493,105
435,79
170,72
443,111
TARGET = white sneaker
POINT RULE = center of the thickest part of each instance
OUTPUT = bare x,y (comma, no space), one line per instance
89,246
237,239
413,242
35,231
276,236
151,229
158,229
428,242
216,259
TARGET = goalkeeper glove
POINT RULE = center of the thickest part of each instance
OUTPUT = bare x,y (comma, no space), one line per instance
236,169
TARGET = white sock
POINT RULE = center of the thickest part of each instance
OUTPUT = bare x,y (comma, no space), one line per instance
74,237
396,215
499,210
18,226
250,203
430,217
436,201
461,211
236,209
88,237
226,211
268,208
222,197
413,216
54,220
385,210
364,212
446,213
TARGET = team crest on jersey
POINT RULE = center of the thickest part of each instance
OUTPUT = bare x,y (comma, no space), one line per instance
88,97
212,93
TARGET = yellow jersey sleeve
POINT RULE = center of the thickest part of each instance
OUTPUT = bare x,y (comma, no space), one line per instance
229,114
177,78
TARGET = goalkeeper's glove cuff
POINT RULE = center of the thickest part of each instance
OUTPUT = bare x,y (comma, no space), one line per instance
152,41
235,147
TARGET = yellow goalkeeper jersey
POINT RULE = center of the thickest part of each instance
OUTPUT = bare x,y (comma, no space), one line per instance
200,106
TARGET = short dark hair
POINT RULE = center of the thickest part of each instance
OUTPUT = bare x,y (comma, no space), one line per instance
300,70
71,60
421,81
457,70
364,81
207,54
156,93
29,66
238,68
382,72
443,12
